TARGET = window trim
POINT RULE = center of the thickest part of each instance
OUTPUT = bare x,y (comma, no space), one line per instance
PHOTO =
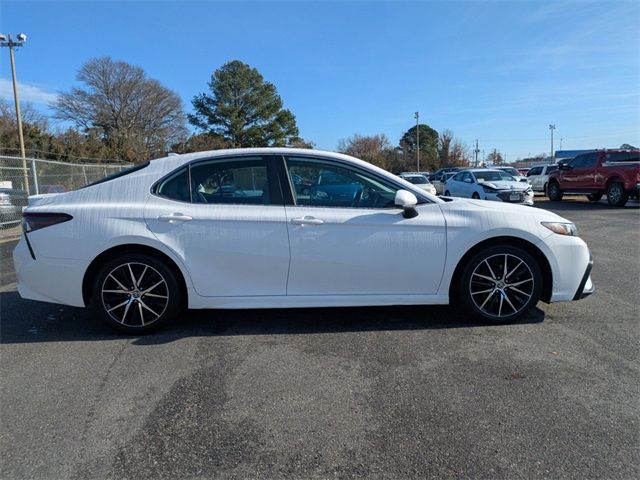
290,198
275,190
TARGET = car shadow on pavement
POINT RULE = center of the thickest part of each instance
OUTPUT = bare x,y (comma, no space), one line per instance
581,203
25,321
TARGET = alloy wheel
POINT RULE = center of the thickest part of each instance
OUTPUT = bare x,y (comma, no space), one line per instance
502,285
135,294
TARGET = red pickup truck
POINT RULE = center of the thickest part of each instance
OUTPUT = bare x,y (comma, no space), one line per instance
615,173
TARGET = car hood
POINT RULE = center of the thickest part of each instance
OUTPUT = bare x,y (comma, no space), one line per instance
507,210
506,185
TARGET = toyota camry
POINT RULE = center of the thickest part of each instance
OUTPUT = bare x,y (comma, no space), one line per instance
229,229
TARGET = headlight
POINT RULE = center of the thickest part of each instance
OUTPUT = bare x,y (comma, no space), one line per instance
5,199
562,228
488,189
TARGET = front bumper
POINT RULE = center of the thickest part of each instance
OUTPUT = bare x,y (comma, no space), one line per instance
586,286
525,198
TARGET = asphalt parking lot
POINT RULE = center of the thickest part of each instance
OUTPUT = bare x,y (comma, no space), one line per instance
395,392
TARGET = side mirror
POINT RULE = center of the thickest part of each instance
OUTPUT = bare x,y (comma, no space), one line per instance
407,201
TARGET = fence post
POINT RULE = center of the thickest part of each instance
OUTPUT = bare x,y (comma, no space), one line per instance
35,175
84,173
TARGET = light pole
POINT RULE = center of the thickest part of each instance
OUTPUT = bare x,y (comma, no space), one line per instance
7,41
417,115
552,128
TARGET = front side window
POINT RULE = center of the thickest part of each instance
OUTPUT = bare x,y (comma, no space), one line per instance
322,183
458,177
242,181
587,160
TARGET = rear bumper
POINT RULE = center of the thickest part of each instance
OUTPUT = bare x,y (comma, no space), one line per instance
47,279
586,286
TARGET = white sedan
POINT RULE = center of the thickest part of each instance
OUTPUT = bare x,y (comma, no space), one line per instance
488,184
228,229
420,181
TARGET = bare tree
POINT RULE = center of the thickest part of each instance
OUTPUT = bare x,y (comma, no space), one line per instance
444,147
134,115
374,149
495,158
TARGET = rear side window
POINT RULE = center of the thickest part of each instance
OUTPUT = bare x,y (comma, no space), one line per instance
623,157
534,171
176,186
551,168
242,181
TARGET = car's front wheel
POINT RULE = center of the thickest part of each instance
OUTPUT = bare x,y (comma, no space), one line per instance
500,283
446,193
136,293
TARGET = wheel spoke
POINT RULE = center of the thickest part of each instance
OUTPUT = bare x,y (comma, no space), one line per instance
504,273
133,278
487,299
118,282
482,291
142,275
126,310
145,292
484,276
144,305
501,301
506,297
119,305
514,270
519,291
141,313
155,296
520,282
493,275
123,292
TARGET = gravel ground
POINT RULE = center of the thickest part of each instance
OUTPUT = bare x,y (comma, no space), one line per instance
394,392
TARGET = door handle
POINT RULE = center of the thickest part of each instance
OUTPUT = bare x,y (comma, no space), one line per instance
307,221
175,217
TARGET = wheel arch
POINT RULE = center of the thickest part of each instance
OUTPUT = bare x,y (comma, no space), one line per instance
534,251
613,179
128,248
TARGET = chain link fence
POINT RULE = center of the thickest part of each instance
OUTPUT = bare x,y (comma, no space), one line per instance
51,176
41,176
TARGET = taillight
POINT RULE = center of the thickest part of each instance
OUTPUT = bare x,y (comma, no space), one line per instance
35,220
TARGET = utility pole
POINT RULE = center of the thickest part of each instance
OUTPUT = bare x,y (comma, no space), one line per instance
561,144
417,115
552,128
7,41
476,151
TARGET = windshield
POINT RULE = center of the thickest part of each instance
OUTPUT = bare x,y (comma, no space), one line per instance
417,179
511,171
493,176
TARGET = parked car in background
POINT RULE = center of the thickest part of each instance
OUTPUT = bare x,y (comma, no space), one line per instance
523,171
12,201
539,176
439,181
302,186
514,173
52,189
488,184
438,173
420,181
146,244
615,173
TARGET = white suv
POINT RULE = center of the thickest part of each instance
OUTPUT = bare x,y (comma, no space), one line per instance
539,176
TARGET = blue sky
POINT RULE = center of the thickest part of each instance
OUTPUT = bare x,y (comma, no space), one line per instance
493,70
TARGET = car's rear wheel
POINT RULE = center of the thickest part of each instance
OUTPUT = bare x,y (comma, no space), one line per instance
553,192
500,283
594,197
475,195
136,293
616,195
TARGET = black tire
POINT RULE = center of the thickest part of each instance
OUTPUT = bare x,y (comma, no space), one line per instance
594,197
544,189
475,195
485,299
447,194
137,308
616,195
553,192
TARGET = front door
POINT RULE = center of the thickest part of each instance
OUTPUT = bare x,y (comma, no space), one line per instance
228,226
348,238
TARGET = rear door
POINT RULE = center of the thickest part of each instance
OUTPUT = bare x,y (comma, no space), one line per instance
226,220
